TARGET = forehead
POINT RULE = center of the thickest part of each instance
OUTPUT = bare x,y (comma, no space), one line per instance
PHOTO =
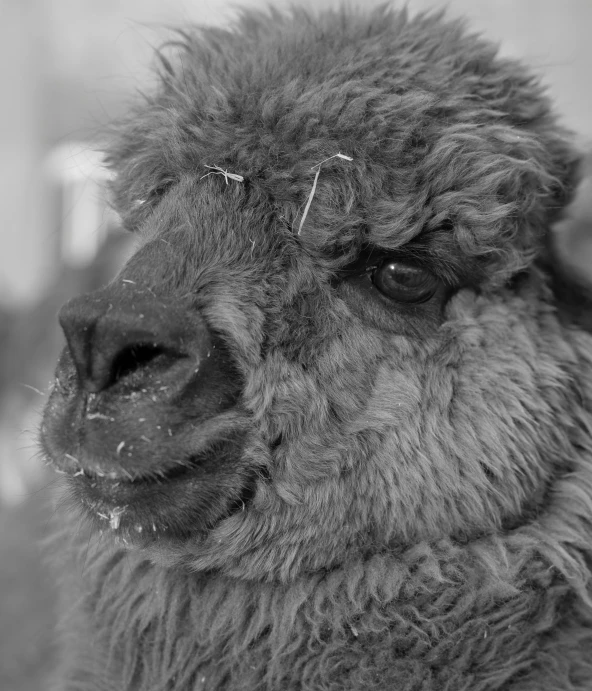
207,225
428,117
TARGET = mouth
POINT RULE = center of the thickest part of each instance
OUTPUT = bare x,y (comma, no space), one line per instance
186,500
156,449
180,483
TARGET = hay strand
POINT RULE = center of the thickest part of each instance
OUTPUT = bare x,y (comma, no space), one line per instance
338,155
32,388
216,170
309,202
314,184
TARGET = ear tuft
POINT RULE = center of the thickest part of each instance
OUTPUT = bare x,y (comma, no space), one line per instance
568,257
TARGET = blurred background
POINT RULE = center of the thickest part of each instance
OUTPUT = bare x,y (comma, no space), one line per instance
68,68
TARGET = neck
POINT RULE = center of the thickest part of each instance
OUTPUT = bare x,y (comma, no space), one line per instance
513,599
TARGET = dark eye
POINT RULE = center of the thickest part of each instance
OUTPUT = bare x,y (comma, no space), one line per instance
404,282
153,196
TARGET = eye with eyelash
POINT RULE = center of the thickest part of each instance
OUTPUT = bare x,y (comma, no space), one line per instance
153,196
402,281
135,212
398,276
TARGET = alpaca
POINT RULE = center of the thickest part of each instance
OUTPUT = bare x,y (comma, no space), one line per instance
330,427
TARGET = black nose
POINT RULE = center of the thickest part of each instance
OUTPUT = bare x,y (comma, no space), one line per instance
113,337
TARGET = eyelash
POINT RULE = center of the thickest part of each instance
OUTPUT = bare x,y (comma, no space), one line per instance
154,195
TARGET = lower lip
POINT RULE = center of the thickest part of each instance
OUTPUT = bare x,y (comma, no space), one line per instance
188,500
121,504
115,489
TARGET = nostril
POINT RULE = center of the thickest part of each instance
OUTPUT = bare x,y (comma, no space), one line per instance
131,340
111,363
139,357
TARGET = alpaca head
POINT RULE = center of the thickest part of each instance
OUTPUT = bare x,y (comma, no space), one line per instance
266,389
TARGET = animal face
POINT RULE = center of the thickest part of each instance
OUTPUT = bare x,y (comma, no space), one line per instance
264,395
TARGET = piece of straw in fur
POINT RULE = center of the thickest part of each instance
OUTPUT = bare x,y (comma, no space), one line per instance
216,170
314,184
28,386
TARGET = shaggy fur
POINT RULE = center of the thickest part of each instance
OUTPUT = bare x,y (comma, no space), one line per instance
421,513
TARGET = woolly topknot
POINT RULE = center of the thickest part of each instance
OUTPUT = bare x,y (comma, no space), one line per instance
444,134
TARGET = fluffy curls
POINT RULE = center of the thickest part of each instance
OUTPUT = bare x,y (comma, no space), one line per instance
443,133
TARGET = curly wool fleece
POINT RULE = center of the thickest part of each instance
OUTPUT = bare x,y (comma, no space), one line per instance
425,521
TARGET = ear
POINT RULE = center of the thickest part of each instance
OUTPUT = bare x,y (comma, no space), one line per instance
568,170
568,254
